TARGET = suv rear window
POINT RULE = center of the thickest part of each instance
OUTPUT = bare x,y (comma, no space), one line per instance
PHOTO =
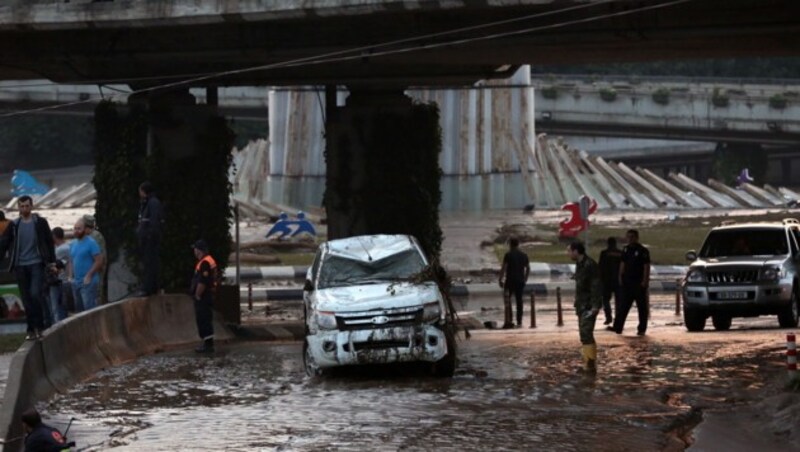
749,242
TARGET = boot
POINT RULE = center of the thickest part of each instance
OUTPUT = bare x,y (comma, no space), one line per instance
590,357
206,347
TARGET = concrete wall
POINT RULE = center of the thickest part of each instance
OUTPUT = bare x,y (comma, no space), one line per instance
75,349
483,127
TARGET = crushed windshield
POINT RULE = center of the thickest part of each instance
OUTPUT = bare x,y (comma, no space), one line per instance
751,242
339,271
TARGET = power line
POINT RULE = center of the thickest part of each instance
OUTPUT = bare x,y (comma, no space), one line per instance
332,57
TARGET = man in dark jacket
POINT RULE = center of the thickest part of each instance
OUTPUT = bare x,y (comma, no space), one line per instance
610,259
148,233
30,242
40,437
634,278
513,276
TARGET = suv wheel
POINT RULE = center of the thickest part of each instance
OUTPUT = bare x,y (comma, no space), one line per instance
788,317
694,320
309,364
721,322
446,366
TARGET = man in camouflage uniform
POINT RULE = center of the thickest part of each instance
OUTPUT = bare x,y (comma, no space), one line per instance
588,300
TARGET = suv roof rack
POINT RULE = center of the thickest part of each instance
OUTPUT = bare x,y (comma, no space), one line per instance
791,221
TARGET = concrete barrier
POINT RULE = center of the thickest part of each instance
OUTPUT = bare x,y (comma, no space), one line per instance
77,348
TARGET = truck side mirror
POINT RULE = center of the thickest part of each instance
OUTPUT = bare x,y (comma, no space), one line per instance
308,286
691,256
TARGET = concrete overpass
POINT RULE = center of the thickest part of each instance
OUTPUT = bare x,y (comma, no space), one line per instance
670,108
369,42
756,111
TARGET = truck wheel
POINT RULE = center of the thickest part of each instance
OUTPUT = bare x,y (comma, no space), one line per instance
721,322
446,367
309,364
694,320
788,317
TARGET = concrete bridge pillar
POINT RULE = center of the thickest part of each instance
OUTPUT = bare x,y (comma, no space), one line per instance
382,153
184,149
731,158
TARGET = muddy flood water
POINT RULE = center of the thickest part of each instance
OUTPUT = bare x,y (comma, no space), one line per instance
514,390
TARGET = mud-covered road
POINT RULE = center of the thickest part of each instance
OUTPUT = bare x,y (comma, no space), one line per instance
514,390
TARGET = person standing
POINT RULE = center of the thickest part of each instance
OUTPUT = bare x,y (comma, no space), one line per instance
513,276
57,280
83,269
588,299
148,233
93,232
31,244
634,278
610,259
204,284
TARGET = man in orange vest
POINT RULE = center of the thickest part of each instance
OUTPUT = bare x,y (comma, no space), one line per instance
202,290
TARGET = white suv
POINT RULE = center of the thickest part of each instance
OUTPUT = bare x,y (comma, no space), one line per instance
365,303
744,270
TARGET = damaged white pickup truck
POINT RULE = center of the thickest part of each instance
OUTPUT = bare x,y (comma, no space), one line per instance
363,305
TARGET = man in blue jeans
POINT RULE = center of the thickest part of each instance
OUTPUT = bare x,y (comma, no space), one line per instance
31,245
85,262
58,278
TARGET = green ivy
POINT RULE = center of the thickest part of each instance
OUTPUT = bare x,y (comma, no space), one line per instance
661,96
194,190
778,101
730,159
120,144
549,92
608,94
401,193
719,98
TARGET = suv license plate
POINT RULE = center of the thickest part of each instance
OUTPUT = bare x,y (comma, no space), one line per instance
732,295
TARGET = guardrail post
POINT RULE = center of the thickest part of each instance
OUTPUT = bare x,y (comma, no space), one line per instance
250,297
678,297
533,309
558,307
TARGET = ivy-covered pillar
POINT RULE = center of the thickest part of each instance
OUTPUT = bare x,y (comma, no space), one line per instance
383,172
731,158
184,149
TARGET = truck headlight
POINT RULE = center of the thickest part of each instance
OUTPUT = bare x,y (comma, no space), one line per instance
431,311
696,275
326,320
770,274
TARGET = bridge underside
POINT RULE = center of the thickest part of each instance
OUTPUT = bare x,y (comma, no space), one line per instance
105,50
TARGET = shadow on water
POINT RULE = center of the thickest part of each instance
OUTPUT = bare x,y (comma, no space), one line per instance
503,396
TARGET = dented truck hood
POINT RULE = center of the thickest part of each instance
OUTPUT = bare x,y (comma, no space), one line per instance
376,296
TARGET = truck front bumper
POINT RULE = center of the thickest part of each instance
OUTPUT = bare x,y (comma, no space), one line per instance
739,300
383,345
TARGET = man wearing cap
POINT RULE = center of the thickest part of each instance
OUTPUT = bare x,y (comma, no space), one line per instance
91,231
204,283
